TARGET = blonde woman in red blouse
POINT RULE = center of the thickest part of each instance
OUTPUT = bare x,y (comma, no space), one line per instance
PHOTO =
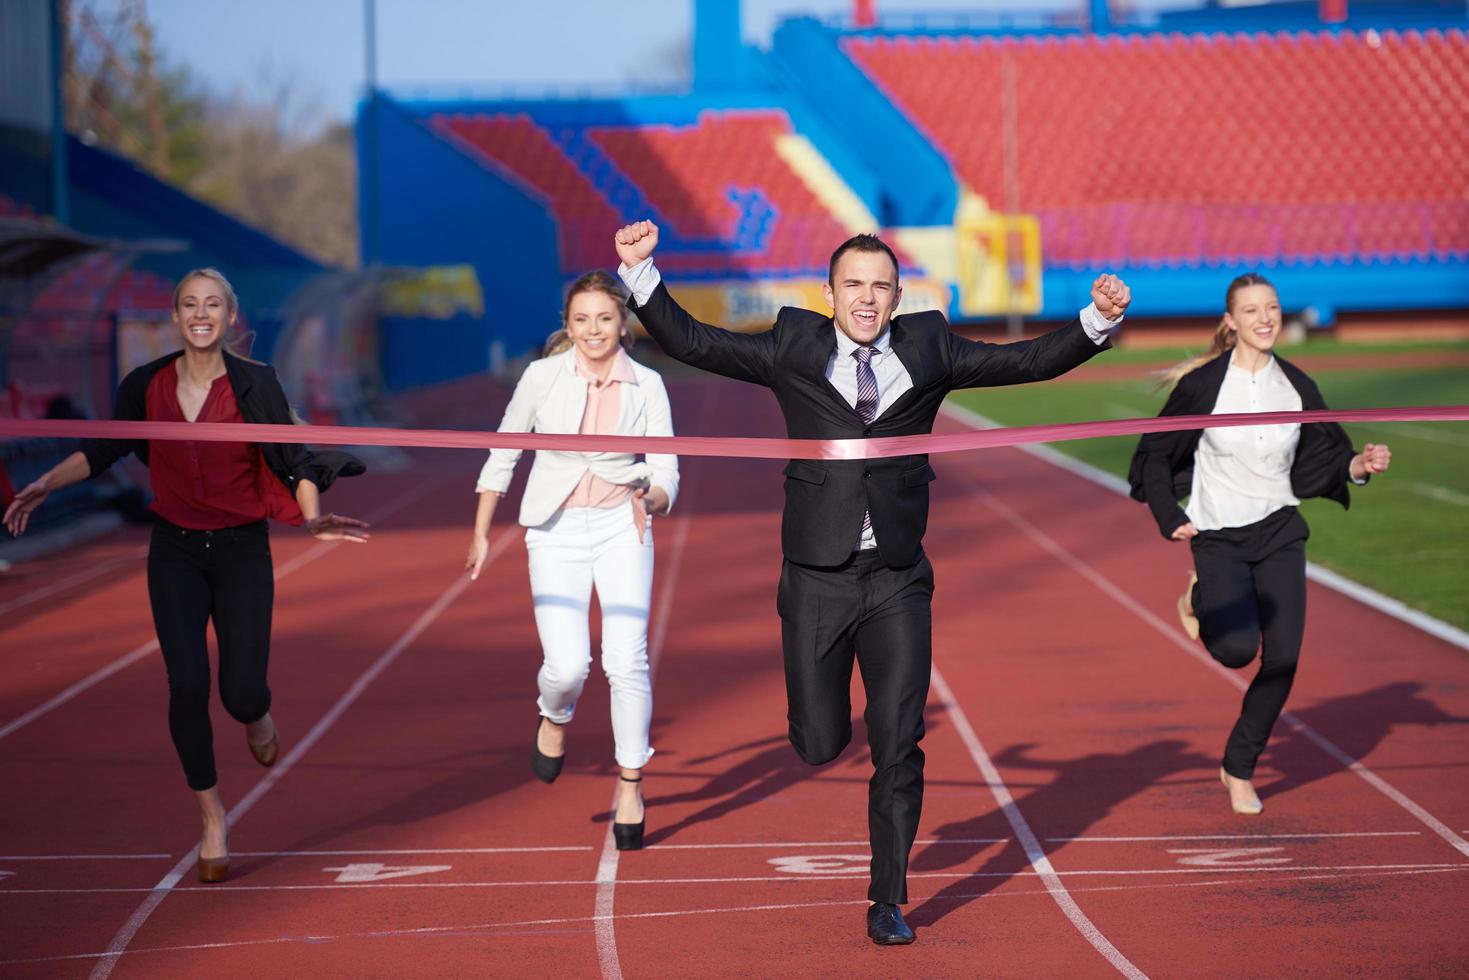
587,526
209,558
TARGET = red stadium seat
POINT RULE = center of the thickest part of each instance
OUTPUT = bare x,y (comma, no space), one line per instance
1181,149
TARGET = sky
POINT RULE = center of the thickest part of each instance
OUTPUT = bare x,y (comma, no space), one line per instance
469,47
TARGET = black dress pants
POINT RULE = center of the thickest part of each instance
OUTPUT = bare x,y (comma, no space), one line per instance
881,617
194,577
1251,595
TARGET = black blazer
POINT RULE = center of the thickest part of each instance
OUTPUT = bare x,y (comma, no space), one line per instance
1162,470
825,500
261,399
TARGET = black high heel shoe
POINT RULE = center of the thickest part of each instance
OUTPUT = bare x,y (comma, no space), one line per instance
546,767
629,836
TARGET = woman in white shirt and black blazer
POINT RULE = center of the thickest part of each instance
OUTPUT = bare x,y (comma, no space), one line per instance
1248,588
587,520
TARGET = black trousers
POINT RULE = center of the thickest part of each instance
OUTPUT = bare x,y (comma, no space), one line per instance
881,617
1251,595
194,577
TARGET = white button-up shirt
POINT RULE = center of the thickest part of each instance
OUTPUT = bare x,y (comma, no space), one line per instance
1242,473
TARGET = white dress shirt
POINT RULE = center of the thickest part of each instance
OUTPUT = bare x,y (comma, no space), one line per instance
893,379
1242,473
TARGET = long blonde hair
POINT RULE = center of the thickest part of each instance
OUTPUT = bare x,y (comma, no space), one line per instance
596,281
1224,337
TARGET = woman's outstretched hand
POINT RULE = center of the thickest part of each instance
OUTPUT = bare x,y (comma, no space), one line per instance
18,514
335,527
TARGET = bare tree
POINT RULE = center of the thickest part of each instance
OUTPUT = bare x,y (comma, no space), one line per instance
268,156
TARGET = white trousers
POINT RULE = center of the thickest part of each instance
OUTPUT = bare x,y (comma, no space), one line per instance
577,549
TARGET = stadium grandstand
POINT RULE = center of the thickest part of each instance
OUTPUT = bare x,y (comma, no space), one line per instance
1325,142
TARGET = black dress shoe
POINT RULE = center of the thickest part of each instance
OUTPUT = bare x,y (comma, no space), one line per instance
885,925
628,836
546,767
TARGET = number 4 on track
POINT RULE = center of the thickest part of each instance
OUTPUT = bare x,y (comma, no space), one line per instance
354,874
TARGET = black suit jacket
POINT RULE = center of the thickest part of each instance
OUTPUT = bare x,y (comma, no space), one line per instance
261,399
1162,470
825,500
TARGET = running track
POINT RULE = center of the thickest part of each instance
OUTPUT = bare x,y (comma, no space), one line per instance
1074,823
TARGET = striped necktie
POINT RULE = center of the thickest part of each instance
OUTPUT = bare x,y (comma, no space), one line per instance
866,403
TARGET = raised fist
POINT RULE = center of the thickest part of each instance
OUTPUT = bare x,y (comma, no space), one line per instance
636,242
1111,295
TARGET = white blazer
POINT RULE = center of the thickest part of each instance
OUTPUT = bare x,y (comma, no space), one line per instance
550,397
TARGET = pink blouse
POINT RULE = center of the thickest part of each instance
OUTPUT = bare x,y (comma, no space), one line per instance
604,405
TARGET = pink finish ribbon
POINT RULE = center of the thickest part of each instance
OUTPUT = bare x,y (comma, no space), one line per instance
749,448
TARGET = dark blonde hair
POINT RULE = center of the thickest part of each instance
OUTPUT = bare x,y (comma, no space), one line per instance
1224,338
596,281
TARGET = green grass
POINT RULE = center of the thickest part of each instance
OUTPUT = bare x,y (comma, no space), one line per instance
1310,348
1407,533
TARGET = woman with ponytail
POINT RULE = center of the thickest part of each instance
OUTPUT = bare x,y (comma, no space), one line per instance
588,525
1247,592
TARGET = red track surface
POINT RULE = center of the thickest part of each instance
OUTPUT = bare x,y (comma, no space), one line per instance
405,702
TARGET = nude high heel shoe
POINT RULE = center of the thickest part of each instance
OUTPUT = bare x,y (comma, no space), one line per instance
1250,806
1186,609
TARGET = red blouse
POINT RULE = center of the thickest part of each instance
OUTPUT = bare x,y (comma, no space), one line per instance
202,485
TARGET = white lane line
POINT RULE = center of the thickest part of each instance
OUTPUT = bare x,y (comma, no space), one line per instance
300,561
84,857
1384,604
607,957
1172,837
1442,494
160,891
481,927
823,843
85,575
1046,878
416,850
1033,852
1196,651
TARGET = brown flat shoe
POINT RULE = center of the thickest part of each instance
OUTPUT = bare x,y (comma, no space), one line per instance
212,871
267,752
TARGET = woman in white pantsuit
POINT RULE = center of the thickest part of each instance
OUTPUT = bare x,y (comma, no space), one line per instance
587,519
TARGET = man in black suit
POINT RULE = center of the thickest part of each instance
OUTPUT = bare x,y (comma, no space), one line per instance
855,580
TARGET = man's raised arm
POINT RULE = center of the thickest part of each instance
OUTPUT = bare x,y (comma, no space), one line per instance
977,364
742,356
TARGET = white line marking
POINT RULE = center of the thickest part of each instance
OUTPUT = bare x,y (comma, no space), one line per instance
1384,604
823,843
128,659
780,907
87,574
856,875
84,857
607,957
1172,837
1442,494
1033,852
1395,608
160,891
1194,650
419,850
